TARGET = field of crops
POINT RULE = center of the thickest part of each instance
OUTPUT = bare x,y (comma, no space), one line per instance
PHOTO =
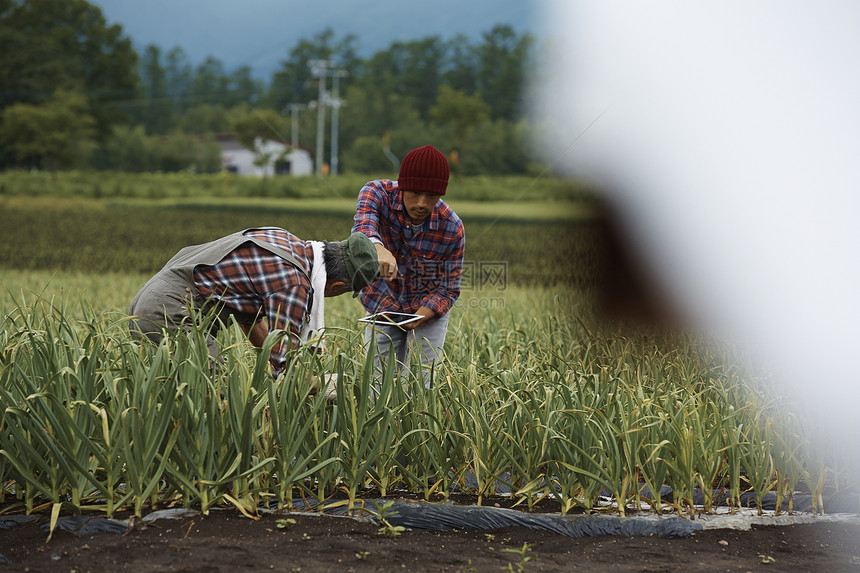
141,239
226,186
533,397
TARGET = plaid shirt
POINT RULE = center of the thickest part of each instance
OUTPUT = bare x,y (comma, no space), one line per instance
252,282
429,261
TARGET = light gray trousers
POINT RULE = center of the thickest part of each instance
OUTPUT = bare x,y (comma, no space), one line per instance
421,345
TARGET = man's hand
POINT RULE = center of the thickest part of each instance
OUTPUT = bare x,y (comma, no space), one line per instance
257,333
424,311
387,262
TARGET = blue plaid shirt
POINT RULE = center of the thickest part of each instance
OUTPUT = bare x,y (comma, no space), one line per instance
429,260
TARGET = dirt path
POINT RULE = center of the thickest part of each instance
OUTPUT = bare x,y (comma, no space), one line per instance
227,541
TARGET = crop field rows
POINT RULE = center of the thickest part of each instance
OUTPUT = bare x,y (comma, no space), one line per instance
532,397
141,240
92,420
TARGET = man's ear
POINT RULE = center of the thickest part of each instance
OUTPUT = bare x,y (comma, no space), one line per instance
335,288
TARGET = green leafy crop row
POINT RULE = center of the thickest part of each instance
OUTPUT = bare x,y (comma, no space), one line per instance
541,406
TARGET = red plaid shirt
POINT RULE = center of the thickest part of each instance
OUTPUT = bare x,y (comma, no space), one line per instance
429,261
252,282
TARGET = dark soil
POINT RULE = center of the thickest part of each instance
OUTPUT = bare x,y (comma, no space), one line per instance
226,540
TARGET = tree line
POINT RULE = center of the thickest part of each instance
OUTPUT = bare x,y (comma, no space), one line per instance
74,93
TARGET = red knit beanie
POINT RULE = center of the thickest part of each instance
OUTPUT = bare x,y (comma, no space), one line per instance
424,170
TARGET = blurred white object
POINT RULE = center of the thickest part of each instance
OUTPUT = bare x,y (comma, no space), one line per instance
728,136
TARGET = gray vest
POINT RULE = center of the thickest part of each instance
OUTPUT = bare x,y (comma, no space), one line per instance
168,293
182,264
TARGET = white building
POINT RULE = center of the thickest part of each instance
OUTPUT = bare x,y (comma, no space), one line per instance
270,158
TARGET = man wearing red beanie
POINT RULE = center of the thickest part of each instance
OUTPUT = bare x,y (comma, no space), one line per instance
420,243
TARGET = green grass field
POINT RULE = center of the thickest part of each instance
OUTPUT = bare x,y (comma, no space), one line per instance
225,186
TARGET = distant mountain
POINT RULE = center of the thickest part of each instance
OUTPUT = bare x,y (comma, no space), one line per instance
260,33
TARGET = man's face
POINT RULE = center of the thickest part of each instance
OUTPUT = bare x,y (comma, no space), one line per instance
419,204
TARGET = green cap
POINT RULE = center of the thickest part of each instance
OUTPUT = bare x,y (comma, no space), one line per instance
362,266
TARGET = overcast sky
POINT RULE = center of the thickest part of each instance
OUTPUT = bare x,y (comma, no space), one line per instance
260,33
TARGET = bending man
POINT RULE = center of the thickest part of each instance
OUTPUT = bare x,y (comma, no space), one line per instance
420,243
252,275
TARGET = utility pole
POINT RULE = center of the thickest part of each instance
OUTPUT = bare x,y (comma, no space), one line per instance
294,122
336,103
318,69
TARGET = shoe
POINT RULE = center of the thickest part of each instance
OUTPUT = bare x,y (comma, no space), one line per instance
331,387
